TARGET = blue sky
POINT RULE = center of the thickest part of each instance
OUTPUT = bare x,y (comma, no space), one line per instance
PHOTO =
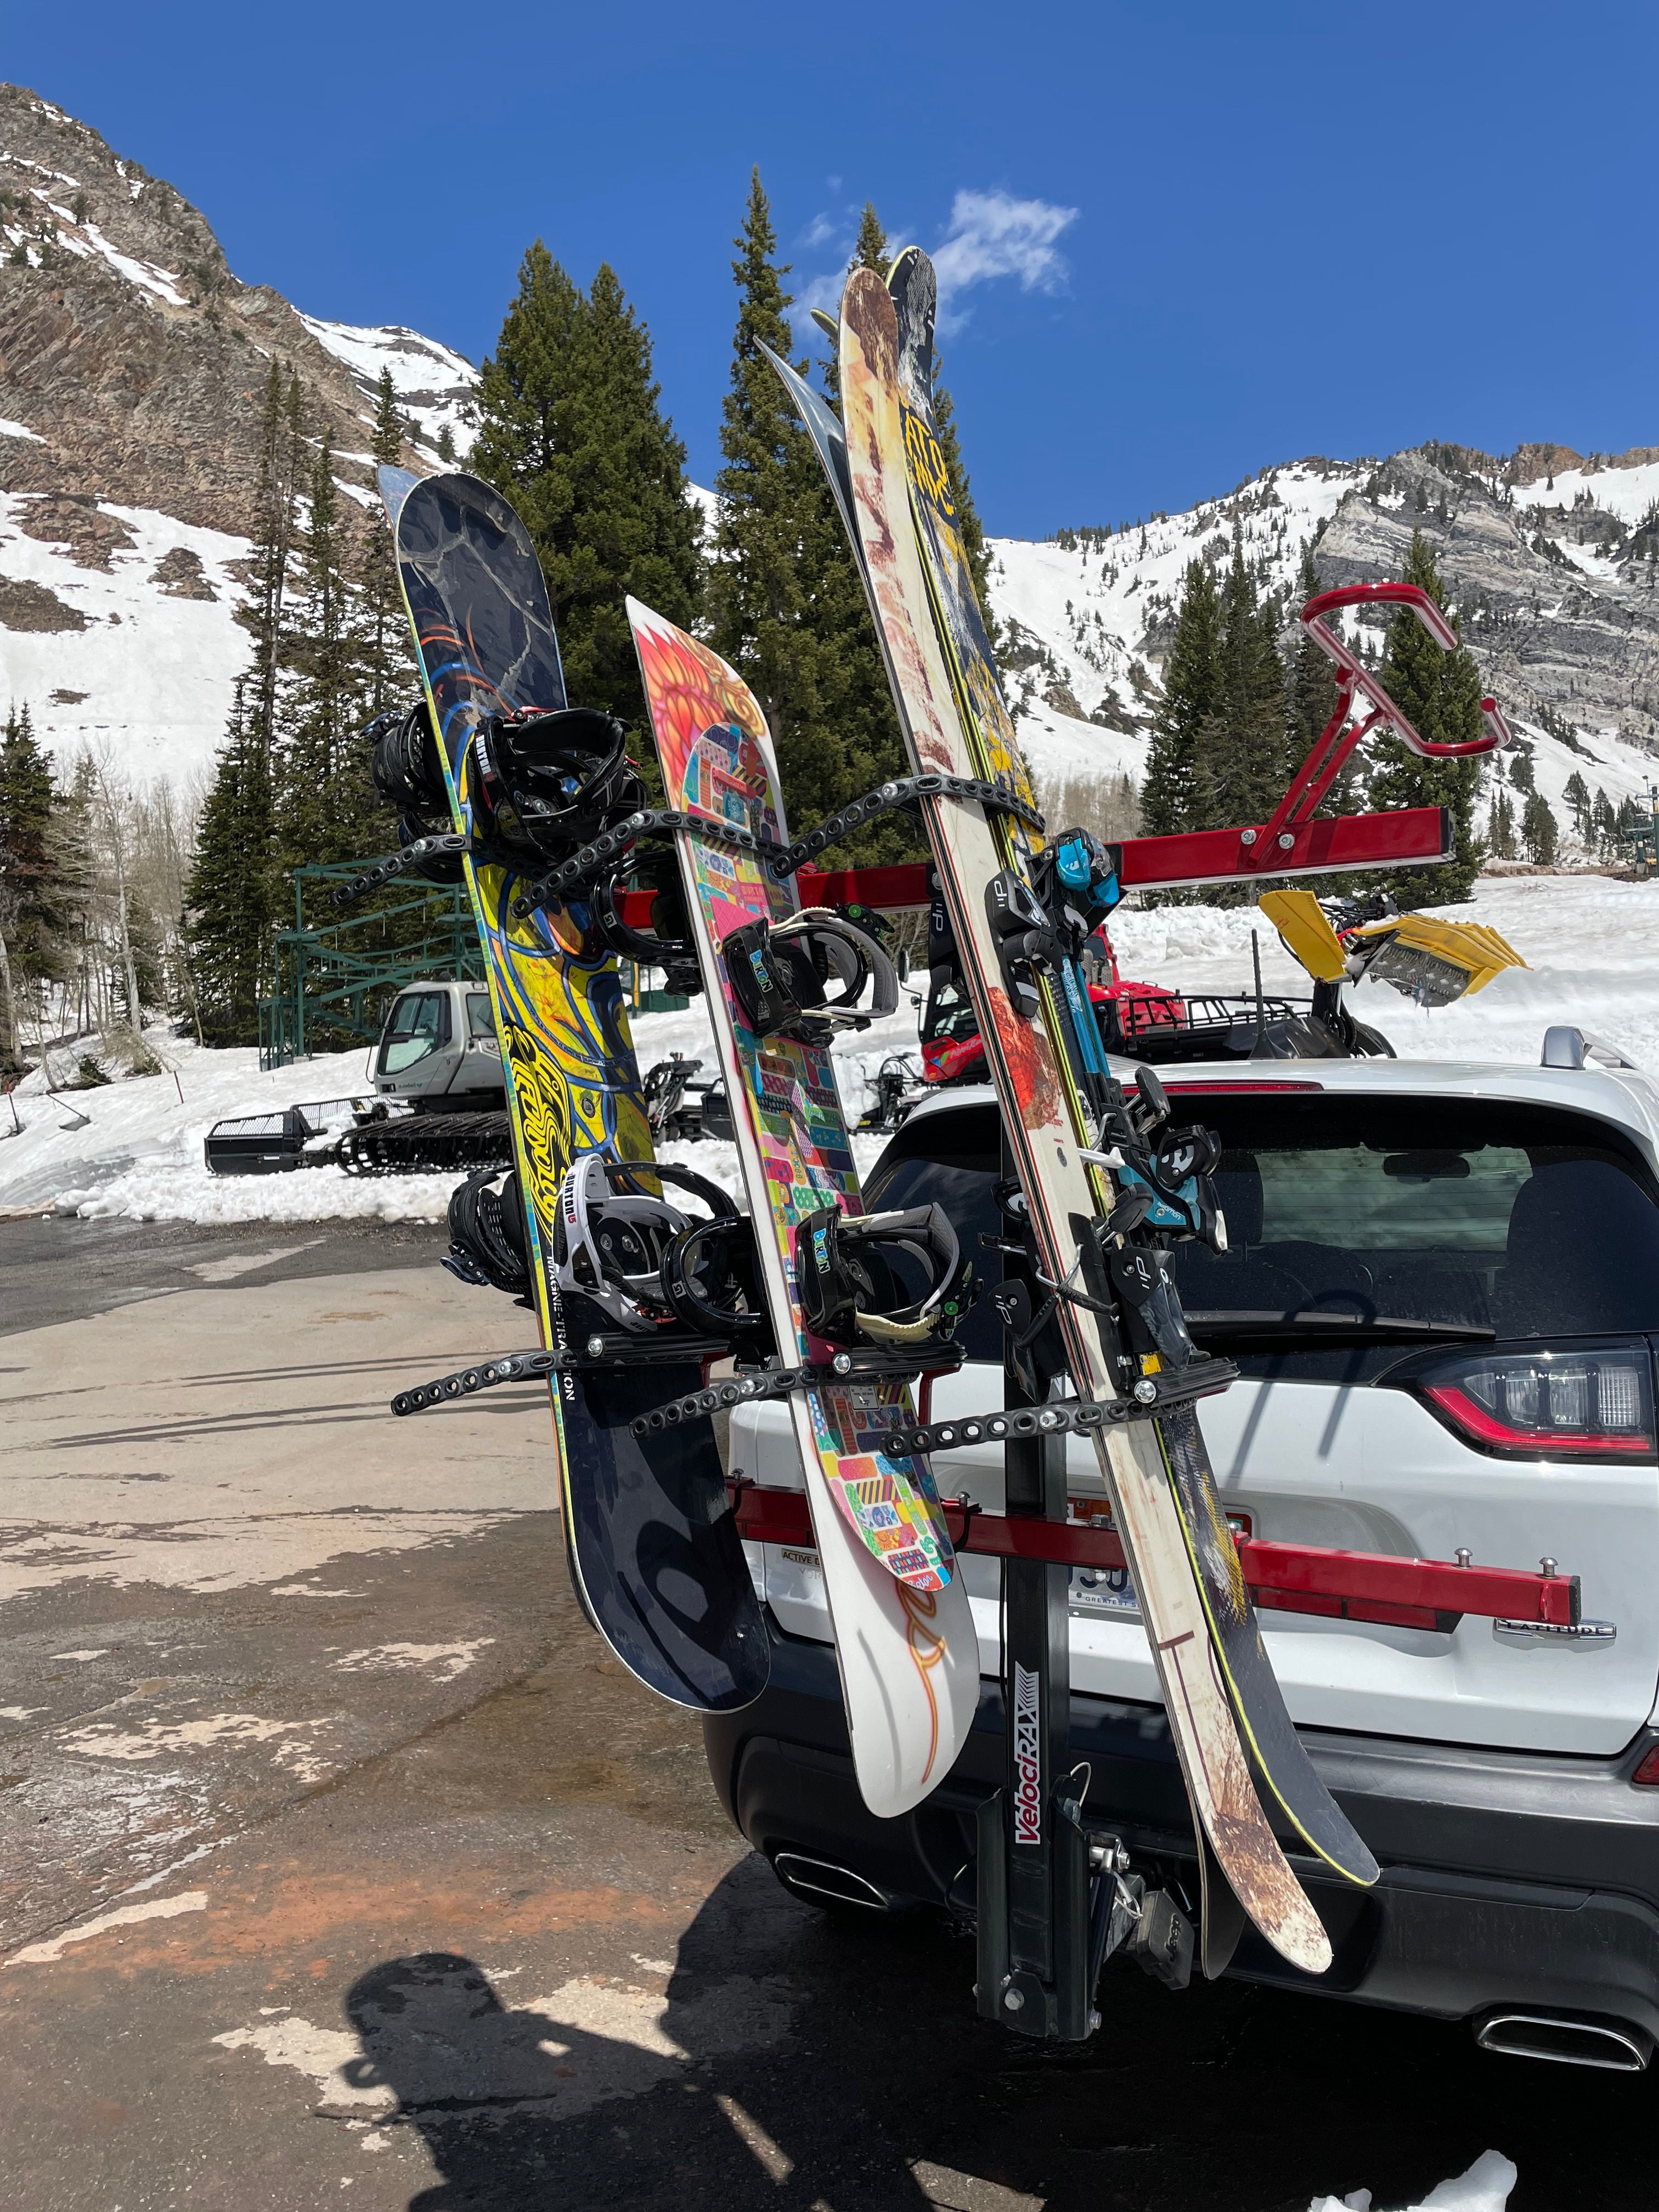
1185,240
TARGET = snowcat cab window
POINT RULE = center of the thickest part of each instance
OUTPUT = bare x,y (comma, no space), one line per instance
419,1025
480,1021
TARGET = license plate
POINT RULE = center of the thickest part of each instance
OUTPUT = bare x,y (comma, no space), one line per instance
1099,1591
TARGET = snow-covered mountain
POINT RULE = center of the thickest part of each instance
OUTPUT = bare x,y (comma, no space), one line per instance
133,368
133,365
1550,558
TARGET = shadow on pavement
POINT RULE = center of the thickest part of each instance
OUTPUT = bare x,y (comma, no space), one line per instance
819,2065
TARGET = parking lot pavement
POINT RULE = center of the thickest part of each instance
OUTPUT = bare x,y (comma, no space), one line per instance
336,1856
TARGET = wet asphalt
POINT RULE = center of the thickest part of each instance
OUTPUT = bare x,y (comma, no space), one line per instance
340,1864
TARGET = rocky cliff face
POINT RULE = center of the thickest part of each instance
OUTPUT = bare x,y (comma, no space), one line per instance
133,367
129,348
1553,559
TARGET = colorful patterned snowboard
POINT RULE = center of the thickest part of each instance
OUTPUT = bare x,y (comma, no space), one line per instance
652,1544
904,1631
1040,1112
1252,1688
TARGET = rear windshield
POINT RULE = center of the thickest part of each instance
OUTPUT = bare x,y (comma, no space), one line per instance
1517,1218
1525,1220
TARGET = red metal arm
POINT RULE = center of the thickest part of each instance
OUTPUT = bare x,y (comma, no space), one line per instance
1414,836
1375,1586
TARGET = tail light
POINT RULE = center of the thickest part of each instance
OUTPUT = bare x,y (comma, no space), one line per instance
1547,1405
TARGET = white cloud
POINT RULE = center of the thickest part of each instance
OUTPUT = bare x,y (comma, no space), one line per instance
990,235
993,234
818,292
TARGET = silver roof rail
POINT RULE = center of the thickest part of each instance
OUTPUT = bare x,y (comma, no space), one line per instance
1571,1048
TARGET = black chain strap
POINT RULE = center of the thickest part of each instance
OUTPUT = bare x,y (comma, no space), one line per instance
588,861
615,1351
864,1366
1154,1394
888,797
399,864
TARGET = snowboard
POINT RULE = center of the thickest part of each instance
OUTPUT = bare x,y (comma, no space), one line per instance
905,1640
652,1544
1252,1688
1047,1132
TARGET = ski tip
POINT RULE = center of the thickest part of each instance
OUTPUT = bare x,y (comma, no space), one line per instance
827,322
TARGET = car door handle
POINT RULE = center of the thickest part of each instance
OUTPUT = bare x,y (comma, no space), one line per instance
1578,1634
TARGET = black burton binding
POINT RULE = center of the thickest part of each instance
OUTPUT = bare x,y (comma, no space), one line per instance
639,1278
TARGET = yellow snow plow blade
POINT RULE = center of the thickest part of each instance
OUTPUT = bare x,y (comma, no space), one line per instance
1433,961
1305,934
1430,960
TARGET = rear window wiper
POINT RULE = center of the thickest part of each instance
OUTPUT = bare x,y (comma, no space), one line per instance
1336,1327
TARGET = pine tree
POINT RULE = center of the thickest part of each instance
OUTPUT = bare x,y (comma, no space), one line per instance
34,909
525,400
388,670
1520,771
571,431
1577,794
325,803
633,526
1194,685
1539,830
1500,828
231,896
1241,765
1439,693
280,433
785,604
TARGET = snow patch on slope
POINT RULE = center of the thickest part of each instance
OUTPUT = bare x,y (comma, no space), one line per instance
149,672
433,383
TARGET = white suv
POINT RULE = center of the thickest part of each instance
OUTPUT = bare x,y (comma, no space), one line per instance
1442,1287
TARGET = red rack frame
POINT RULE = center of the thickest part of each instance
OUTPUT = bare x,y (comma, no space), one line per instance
1372,1586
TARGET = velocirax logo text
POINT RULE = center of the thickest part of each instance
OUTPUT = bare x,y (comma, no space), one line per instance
1028,1761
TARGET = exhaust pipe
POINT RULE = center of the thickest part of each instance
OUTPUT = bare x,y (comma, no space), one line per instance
810,1877
1615,2045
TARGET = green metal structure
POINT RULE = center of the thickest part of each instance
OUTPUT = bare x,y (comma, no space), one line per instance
1642,835
340,975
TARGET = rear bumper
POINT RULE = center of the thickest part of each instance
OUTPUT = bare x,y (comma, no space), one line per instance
1510,1880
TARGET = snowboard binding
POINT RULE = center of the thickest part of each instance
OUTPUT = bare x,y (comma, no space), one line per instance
540,785
611,1238
544,783
668,943
488,1244
1077,882
778,972
855,1276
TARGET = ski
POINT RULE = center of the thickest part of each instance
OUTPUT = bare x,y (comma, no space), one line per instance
1047,1135
904,1634
651,1543
1252,1688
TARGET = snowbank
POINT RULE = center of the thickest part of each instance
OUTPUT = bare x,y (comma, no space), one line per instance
1592,945
1485,2188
